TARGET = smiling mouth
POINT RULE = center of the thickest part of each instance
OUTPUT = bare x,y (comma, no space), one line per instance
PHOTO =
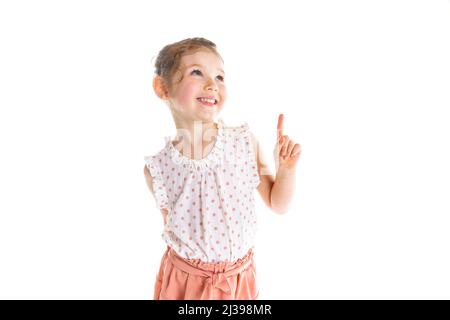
207,102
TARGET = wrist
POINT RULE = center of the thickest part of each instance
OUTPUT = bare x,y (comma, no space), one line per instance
286,170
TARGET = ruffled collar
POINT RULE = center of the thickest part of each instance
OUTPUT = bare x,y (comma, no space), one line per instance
210,161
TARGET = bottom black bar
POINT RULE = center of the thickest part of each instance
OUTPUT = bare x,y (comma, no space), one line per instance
227,309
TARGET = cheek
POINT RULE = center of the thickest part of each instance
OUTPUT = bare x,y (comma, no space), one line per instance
187,93
223,94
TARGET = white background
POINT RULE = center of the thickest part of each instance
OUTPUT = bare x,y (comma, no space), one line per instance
365,89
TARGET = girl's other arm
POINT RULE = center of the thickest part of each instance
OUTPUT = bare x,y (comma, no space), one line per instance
149,180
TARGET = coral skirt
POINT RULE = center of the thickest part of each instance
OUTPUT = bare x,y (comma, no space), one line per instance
182,279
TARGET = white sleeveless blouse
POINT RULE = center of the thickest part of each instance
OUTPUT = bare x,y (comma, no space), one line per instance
210,202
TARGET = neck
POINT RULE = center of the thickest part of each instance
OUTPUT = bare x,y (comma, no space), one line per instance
193,136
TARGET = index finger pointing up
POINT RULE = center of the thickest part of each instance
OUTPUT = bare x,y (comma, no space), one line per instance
280,125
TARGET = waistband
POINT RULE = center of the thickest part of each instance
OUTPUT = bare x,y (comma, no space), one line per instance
216,279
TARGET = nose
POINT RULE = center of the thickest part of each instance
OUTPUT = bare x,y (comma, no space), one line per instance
211,85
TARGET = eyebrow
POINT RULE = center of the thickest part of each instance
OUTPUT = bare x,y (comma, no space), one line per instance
198,65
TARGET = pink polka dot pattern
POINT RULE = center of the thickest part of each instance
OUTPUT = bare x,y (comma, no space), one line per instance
210,202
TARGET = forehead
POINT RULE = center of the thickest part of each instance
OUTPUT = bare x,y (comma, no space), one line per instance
202,58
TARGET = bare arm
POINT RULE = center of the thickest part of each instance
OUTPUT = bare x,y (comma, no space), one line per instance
283,190
277,193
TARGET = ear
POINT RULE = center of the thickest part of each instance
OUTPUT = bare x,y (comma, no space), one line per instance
160,88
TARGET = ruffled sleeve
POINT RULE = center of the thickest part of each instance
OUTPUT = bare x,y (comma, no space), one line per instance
159,188
252,167
246,153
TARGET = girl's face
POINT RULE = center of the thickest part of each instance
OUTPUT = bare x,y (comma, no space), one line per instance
203,76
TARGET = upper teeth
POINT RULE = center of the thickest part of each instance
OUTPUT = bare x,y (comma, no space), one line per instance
208,100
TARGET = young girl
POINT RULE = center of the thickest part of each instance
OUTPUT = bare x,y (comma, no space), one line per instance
205,190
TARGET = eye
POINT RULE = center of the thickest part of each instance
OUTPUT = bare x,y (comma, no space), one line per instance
199,72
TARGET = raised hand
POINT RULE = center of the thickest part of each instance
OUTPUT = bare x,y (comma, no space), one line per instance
286,152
